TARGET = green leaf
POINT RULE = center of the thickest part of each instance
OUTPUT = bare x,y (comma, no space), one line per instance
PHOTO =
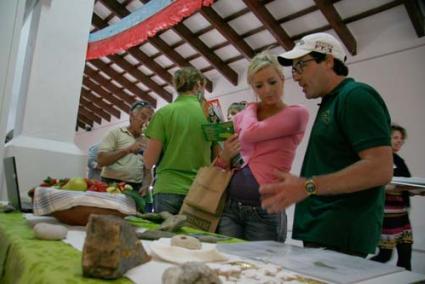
140,202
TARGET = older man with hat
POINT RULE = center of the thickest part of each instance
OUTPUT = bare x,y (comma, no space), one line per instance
120,152
340,194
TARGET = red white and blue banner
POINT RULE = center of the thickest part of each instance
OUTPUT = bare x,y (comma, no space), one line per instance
143,23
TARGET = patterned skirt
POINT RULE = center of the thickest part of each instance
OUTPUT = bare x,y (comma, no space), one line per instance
396,227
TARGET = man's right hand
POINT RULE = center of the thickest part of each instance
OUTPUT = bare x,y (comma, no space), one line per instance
136,146
289,189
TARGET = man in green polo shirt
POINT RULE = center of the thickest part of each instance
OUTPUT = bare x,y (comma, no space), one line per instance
340,194
176,142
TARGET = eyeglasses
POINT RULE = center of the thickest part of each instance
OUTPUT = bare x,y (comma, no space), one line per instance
298,67
140,104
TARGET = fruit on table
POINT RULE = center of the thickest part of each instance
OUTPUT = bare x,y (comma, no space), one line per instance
76,183
96,185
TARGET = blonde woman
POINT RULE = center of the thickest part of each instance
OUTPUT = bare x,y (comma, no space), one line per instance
176,143
267,136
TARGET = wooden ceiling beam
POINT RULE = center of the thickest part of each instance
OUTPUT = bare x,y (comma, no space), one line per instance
261,12
151,64
84,102
99,102
159,44
416,17
98,22
116,92
116,8
174,56
81,124
136,73
228,32
94,87
90,115
107,69
84,119
206,52
334,19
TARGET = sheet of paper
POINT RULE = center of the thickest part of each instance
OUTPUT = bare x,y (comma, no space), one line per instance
323,264
416,182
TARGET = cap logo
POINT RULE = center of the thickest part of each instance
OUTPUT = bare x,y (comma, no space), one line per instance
323,47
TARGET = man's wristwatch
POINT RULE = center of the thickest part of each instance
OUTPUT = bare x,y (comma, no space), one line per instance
310,186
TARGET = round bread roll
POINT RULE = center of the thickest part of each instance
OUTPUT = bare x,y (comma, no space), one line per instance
186,242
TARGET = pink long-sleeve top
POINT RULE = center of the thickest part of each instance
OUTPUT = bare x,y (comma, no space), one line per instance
270,144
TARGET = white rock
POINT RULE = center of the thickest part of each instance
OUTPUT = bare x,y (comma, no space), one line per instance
186,242
44,231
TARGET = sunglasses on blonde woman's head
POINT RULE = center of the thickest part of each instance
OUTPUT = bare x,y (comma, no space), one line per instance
140,104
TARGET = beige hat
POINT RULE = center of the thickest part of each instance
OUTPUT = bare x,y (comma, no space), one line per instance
319,42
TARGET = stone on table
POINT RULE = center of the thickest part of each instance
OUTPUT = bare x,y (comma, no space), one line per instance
50,232
154,235
173,223
190,273
111,248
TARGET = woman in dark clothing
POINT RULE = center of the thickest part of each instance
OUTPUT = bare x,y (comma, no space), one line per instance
396,230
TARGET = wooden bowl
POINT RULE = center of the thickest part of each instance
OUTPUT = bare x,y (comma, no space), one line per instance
79,215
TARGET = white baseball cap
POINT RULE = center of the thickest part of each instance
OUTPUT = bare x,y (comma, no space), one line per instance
319,42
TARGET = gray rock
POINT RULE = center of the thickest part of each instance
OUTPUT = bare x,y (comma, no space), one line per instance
173,223
154,217
111,248
154,235
165,214
190,273
45,231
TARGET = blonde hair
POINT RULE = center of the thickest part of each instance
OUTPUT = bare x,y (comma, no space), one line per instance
186,78
263,60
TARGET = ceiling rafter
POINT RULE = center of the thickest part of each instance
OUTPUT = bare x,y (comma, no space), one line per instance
334,19
156,41
106,85
98,101
90,115
209,55
416,17
90,106
116,8
261,12
174,56
151,64
211,15
106,68
105,94
81,124
84,119
148,61
124,64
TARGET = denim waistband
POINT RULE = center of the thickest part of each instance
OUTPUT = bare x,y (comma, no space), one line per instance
253,203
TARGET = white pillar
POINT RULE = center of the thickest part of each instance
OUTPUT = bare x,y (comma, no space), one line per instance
11,21
49,93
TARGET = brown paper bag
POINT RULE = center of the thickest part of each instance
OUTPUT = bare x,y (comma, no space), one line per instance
208,188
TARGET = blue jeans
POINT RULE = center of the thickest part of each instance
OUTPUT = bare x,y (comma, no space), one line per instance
251,223
168,202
